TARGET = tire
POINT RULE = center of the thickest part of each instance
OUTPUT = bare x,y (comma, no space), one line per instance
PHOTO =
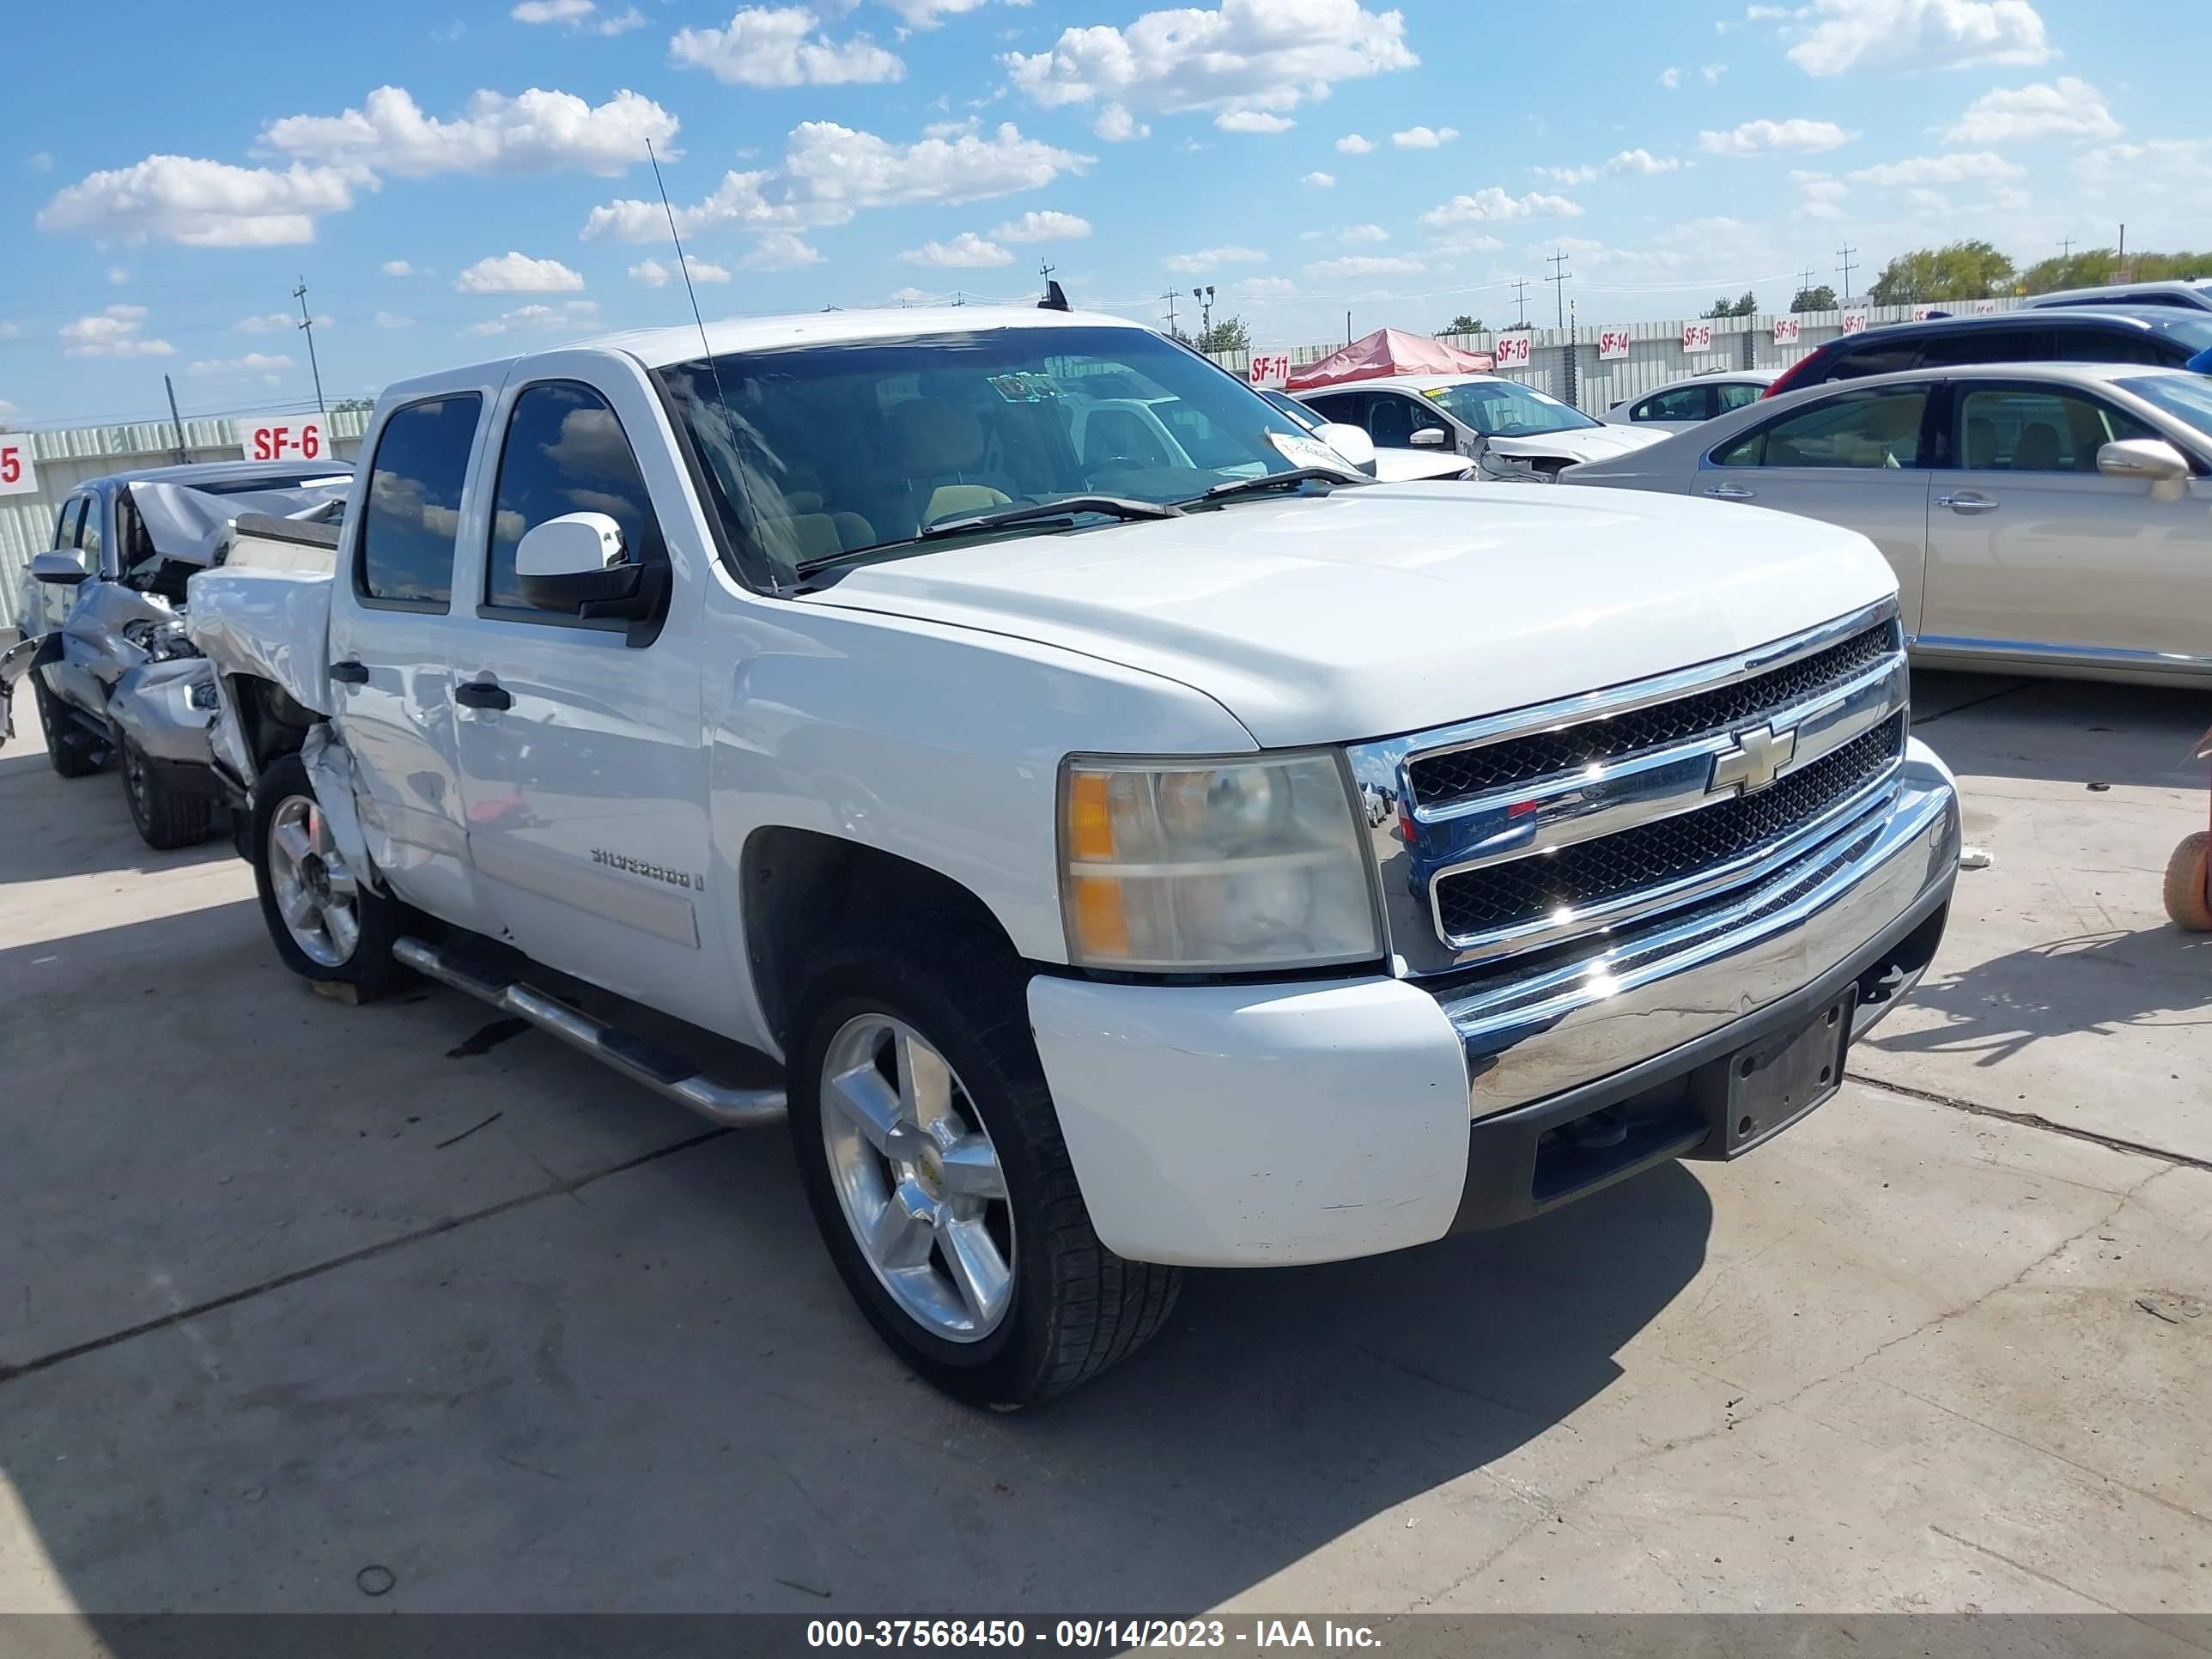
1073,1307
75,752
166,819
2188,900
359,956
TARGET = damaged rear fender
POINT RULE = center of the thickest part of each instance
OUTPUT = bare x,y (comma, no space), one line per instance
330,771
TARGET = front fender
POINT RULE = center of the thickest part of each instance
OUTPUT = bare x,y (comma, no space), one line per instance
152,706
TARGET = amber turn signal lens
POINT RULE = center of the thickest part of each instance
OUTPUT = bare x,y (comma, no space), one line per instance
1090,820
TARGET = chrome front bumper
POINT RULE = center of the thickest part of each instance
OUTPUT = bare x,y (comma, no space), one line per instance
1536,1033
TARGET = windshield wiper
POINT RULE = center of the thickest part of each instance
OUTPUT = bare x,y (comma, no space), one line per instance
1066,507
1222,492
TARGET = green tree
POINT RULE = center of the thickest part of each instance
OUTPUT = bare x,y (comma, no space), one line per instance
1746,307
1822,298
1462,324
346,405
2096,266
1970,269
1230,334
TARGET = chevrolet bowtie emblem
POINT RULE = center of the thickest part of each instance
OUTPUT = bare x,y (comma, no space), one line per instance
1752,760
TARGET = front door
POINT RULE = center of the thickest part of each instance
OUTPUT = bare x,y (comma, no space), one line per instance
582,751
2029,545
1855,460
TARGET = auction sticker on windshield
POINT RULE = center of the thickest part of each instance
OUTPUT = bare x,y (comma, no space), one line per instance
1305,452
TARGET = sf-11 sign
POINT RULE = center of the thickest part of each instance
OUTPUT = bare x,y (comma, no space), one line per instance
1786,331
1512,351
284,438
19,473
1271,371
1697,337
1612,344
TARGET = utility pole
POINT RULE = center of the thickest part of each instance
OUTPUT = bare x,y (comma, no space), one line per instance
1805,280
175,419
1170,296
1559,282
2065,247
308,324
1520,299
2120,273
1844,254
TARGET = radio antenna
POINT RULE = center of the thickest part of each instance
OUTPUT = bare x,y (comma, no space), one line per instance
682,265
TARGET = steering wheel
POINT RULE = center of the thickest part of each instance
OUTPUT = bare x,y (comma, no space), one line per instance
1111,463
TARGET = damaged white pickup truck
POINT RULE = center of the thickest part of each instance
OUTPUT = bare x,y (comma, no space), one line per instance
1231,862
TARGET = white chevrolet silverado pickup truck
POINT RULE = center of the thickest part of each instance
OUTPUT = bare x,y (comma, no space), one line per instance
1128,866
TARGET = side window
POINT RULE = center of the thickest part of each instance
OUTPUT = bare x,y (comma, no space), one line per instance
1681,403
564,452
1737,394
1343,409
88,534
72,516
405,555
1391,421
1989,345
2037,430
1862,430
1878,357
2114,346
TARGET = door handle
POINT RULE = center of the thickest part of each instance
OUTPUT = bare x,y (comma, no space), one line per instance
1729,492
482,694
349,673
1966,502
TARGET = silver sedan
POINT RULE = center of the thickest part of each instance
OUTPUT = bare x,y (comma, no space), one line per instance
2042,518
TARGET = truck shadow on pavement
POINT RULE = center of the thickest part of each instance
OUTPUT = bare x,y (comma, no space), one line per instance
2076,732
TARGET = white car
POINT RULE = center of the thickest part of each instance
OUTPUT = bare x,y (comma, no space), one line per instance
2191,292
1383,466
1119,867
1681,406
1510,431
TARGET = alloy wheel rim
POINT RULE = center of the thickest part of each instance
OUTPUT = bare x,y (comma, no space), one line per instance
134,780
316,894
918,1178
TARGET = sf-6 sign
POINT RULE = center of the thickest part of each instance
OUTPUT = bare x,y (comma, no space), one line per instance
19,473
1697,337
1612,344
1513,350
284,438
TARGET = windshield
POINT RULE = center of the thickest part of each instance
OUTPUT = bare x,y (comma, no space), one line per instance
1506,409
815,453
2187,397
1297,411
2192,333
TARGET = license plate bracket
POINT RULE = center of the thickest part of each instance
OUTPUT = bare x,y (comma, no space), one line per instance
1764,1087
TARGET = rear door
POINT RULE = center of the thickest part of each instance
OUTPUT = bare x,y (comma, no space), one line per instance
1856,459
392,647
582,754
2031,550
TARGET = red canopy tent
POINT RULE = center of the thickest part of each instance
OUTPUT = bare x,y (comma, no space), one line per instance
1390,351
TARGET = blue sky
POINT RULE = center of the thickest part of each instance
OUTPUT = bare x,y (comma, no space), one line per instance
451,185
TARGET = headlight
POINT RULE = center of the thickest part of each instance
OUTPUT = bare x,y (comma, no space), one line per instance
162,641
1242,865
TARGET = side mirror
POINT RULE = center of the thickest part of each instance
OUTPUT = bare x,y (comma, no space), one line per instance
577,563
1349,441
59,568
2153,460
1431,437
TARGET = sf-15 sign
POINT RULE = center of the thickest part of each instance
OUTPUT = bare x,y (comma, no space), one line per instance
1697,337
284,438
19,473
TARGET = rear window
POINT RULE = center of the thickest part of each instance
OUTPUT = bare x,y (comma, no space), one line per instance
413,510
1856,362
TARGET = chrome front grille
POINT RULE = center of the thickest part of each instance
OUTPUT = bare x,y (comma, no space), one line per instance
1599,813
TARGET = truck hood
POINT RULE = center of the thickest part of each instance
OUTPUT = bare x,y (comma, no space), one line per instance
1375,611
1582,443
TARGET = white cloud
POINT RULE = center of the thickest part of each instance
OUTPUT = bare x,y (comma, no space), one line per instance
966,251
267,322
1209,258
1117,126
1424,137
41,162
112,332
1670,78
2184,163
1353,144
539,131
1241,55
778,46
1492,204
1042,227
253,362
398,268
1365,264
1712,72
705,271
923,14
781,250
2066,108
654,274
1581,176
517,273
829,173
387,319
117,276
578,15
1819,197
1627,160
1926,170
200,204
1319,181
1265,288
1848,35
575,314
1755,137
1252,120
1349,236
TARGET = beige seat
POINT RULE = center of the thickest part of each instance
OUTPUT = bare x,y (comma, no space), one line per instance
940,446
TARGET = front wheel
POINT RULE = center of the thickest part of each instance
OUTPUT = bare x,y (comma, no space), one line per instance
74,752
932,1160
167,819
327,922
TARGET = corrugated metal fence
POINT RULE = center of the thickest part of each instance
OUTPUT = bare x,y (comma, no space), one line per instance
66,458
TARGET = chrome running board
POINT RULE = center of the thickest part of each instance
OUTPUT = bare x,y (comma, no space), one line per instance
659,1069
